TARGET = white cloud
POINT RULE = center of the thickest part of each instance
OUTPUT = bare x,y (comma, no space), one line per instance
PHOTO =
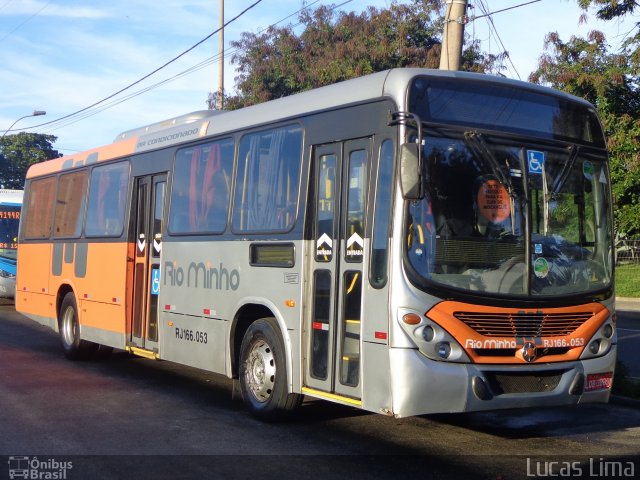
50,9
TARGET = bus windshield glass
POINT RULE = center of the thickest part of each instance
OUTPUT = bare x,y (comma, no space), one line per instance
490,202
9,221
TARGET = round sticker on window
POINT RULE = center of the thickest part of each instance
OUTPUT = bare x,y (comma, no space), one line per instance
587,170
541,267
493,201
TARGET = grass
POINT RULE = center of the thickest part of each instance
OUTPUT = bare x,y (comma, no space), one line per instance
627,280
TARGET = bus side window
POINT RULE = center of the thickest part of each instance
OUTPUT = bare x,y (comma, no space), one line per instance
268,180
67,222
382,216
200,192
40,208
107,195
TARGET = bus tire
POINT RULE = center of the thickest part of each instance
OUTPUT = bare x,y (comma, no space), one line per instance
73,346
263,372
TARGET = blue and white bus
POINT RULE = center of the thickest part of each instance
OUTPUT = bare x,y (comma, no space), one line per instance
10,206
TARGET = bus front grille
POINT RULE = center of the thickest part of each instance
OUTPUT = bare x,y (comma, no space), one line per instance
524,382
523,324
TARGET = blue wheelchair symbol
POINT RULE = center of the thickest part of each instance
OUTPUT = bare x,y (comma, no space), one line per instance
155,281
536,161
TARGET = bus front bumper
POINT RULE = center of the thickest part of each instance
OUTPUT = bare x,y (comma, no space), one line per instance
423,386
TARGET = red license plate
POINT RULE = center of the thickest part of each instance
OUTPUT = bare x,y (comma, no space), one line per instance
599,381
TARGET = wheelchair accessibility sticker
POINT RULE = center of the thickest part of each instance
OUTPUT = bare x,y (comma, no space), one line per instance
536,161
155,281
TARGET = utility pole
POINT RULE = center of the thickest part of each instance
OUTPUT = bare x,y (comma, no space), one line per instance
221,56
453,34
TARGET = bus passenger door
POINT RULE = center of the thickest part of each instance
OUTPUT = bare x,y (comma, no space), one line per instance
333,322
148,208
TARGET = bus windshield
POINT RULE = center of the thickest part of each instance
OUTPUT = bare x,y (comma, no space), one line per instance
490,202
9,221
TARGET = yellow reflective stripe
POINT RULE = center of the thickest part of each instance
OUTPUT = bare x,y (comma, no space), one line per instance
353,283
332,396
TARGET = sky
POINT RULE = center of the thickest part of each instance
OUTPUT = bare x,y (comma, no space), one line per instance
62,56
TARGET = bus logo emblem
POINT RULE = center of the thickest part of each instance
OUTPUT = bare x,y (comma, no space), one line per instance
529,352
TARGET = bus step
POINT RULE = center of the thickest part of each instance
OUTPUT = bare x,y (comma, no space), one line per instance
141,352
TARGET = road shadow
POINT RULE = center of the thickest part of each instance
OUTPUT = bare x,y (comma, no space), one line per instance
546,422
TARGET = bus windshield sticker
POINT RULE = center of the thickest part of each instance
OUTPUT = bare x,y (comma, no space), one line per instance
155,281
493,201
157,243
538,248
541,267
603,177
536,161
355,245
141,242
587,170
324,240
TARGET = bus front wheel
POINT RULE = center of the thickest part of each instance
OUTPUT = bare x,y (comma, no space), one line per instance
73,346
263,373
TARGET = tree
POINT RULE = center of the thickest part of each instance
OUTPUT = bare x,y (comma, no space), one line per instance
614,10
18,152
337,46
585,67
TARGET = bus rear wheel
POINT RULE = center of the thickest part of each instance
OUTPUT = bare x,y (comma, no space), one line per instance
73,346
263,372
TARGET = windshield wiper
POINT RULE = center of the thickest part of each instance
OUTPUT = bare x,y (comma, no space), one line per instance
566,170
478,145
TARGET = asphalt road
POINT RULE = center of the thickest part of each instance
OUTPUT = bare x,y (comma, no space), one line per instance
628,326
127,417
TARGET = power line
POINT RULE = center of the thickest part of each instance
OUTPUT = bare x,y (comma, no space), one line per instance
492,27
488,14
7,3
146,76
21,24
90,111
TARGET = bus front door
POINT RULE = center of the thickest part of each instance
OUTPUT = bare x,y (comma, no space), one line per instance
148,209
333,323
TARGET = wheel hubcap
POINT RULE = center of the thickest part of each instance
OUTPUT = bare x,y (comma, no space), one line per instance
260,370
68,327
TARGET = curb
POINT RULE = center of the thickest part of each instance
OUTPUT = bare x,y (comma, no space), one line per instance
627,303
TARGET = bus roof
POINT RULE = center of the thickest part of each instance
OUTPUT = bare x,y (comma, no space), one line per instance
389,83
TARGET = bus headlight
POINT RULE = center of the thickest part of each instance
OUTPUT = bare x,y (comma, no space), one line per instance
432,340
428,333
601,342
444,350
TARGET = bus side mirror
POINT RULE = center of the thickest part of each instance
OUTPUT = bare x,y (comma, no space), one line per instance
410,173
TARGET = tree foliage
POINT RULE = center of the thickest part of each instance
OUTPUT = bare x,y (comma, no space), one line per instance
18,152
337,46
617,10
586,68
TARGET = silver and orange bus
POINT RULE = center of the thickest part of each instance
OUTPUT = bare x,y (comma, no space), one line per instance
408,242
